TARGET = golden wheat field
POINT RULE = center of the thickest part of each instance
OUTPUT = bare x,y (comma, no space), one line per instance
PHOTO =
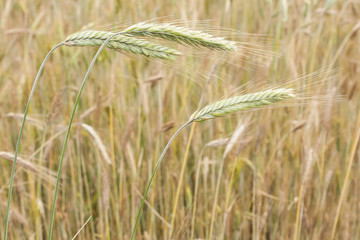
275,169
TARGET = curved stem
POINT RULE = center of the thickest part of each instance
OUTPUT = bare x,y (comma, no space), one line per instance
20,134
153,175
69,127
182,172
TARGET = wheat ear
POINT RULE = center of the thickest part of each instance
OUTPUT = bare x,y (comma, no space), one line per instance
114,41
242,102
181,35
121,43
217,109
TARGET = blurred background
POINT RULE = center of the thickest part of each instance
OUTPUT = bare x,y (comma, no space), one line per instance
283,173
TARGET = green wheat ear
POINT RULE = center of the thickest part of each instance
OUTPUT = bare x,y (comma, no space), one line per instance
242,102
121,43
217,109
181,35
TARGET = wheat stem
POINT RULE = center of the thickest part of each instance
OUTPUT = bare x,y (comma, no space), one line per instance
153,175
69,127
219,108
177,196
20,134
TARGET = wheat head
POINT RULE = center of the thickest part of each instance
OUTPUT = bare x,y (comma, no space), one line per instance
181,35
252,100
121,43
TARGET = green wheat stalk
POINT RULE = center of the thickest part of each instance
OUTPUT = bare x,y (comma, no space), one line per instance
17,148
117,41
219,109
80,39
113,41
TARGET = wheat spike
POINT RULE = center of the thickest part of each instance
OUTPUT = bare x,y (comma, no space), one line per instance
220,108
241,102
122,43
181,35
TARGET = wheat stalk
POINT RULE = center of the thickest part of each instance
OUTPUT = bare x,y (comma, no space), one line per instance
88,38
17,148
118,41
220,108
242,102
181,35
102,46
121,43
